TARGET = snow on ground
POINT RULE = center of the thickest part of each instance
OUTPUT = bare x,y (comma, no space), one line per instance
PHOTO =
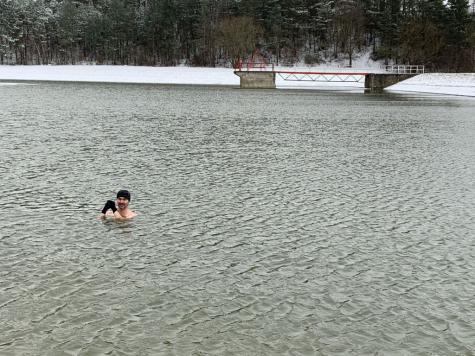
453,84
121,74
439,83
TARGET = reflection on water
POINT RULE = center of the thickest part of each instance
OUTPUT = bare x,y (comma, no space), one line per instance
270,222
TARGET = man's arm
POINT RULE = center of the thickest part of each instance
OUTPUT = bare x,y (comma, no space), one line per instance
110,205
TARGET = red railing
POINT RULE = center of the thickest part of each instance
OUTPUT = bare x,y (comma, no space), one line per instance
254,66
322,76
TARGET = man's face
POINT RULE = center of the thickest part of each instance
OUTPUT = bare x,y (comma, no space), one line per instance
122,203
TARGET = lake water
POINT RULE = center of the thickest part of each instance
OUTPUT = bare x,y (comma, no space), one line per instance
270,222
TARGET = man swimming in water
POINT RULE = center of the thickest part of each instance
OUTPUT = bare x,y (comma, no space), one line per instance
122,210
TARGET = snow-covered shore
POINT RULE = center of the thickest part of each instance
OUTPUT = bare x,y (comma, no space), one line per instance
437,83
121,74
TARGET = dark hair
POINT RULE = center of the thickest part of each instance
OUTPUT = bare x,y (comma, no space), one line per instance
123,194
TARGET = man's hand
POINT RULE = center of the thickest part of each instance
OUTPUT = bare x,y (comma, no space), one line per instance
109,205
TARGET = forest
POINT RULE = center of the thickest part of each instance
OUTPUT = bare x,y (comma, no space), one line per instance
439,34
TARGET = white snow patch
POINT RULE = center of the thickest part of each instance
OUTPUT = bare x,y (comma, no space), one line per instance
438,83
121,74
10,84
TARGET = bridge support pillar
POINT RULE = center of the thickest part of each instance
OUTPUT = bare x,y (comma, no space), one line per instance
377,82
256,80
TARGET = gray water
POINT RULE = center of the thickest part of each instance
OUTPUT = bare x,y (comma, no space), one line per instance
270,222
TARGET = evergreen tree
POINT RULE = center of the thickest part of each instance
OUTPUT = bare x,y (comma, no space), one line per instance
8,23
458,22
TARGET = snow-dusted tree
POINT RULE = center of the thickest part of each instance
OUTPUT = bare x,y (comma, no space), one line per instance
349,22
29,30
321,14
7,30
458,21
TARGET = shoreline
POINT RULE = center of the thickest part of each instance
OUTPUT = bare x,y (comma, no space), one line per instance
457,84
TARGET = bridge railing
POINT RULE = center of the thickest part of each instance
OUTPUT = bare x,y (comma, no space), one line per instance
405,69
255,67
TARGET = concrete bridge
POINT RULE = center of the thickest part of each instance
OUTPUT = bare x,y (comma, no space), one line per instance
264,76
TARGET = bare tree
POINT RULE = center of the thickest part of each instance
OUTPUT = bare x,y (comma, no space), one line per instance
422,42
349,25
237,36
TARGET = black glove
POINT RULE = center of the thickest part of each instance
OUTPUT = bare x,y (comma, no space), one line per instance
109,205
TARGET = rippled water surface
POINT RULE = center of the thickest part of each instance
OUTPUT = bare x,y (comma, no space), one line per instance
270,222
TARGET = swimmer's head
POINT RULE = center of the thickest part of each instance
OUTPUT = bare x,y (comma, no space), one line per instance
123,194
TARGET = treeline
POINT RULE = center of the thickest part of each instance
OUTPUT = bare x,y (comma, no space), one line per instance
439,34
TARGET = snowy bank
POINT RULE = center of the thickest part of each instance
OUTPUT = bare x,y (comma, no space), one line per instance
438,83
121,74
160,75
453,84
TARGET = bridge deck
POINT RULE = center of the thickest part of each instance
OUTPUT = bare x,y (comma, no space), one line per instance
262,75
329,73
321,76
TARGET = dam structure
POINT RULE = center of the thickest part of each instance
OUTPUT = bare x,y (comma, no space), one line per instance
263,76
